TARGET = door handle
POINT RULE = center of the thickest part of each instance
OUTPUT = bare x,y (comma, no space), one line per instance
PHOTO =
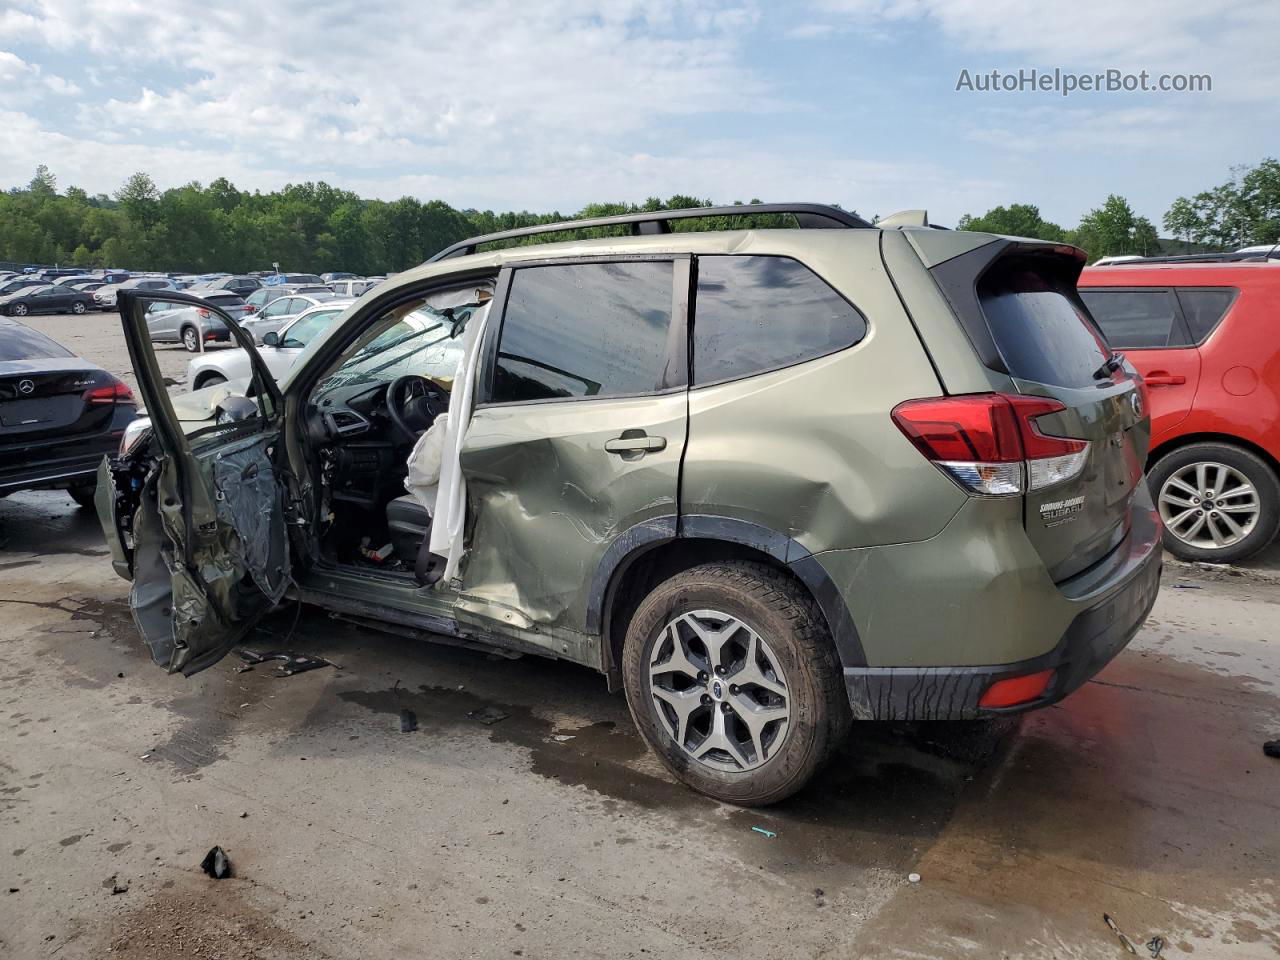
635,444
1162,379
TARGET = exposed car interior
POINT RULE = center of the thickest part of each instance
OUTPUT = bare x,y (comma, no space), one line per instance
365,416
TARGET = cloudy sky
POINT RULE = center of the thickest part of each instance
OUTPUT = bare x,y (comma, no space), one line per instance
541,105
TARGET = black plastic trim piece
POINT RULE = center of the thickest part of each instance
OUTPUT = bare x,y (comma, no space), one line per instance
800,561
625,549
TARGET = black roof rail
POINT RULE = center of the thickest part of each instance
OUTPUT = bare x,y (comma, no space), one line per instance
808,216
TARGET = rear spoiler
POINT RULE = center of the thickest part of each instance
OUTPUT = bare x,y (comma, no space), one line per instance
958,279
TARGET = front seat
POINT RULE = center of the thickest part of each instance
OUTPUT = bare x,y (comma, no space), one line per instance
408,523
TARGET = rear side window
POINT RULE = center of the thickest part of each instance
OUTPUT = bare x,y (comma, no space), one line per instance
1204,309
755,314
1135,319
584,330
1039,324
22,343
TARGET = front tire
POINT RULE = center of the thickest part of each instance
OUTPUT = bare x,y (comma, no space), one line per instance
211,380
18,310
83,494
733,680
191,340
1218,502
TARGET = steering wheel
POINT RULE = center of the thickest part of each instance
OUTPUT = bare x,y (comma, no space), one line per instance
413,403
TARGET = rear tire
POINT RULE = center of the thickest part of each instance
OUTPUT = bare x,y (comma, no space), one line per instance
191,339
77,307
1243,513
790,692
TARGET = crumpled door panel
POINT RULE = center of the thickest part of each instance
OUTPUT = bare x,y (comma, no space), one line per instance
190,616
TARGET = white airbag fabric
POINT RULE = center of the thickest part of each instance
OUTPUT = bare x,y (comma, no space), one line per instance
435,477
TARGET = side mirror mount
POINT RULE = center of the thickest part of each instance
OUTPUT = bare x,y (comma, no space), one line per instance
234,408
271,339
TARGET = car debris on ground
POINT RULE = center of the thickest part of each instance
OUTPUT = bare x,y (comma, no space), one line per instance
216,863
291,663
408,720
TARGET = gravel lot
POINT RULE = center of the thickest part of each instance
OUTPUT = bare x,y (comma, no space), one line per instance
552,833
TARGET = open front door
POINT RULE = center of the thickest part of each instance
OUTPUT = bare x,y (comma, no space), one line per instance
200,505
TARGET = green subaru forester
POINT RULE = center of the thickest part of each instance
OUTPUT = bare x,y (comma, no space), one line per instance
766,481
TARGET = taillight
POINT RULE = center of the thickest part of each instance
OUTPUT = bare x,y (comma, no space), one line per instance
1015,690
204,314
250,308
109,393
990,442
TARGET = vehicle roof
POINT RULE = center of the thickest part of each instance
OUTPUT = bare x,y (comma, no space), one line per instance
1142,274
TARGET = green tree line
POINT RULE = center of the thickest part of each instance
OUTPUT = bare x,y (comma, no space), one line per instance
317,227
1244,211
303,227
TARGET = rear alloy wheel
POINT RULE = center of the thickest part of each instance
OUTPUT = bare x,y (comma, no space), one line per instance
1218,502
77,307
733,680
191,340
18,310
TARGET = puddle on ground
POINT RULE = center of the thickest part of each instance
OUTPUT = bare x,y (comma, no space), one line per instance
884,796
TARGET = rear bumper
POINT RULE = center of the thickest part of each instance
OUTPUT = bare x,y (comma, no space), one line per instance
62,463
1112,602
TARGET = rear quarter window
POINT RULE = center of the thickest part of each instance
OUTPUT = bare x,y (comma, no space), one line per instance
755,314
1204,308
1040,326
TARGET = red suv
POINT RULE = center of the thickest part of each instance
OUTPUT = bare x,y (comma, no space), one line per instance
1206,336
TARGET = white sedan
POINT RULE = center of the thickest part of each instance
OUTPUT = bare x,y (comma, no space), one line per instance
279,350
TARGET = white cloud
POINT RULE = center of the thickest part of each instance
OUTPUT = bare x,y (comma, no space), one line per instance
20,78
512,104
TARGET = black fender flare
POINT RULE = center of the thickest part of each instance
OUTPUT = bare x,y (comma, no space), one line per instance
642,537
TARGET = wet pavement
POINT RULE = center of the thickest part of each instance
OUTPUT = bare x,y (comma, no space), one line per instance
553,833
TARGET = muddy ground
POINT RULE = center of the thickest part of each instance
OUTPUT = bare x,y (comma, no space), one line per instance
552,833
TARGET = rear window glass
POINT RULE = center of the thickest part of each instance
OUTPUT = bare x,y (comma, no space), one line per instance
226,300
584,330
1039,325
755,314
23,343
1204,309
1134,319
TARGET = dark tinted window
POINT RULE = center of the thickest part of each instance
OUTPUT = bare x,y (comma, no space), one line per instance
225,300
760,313
1203,309
22,343
1038,325
586,330
1133,319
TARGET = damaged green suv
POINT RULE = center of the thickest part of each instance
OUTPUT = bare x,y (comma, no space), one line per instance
767,481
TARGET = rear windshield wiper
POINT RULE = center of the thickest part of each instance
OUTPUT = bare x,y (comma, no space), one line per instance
1114,362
